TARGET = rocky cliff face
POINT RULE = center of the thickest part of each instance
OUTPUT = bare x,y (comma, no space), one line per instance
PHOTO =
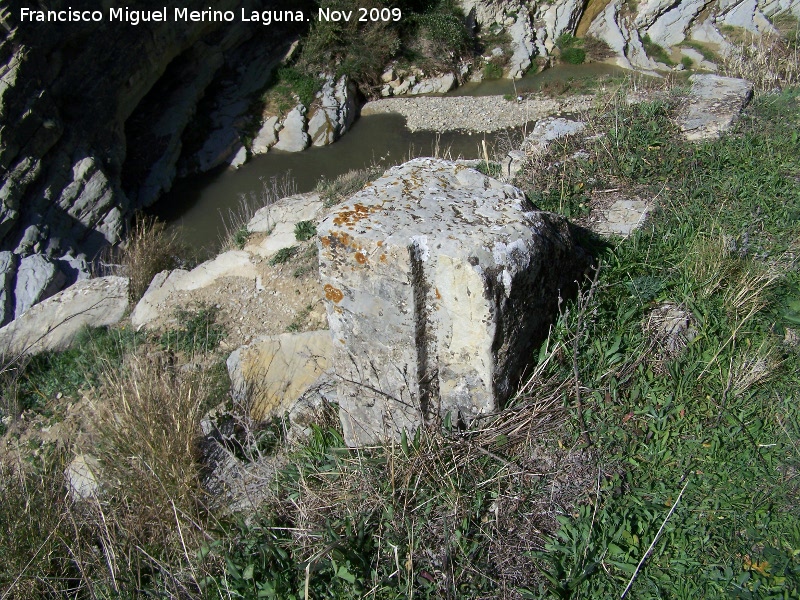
535,26
92,117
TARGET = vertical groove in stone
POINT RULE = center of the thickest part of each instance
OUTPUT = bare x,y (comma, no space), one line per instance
424,338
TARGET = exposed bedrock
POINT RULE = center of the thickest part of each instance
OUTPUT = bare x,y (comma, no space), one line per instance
94,117
439,282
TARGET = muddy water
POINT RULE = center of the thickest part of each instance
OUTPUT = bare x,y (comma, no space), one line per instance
202,205
577,74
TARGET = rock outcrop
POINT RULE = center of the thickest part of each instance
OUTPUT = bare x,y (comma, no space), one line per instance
56,322
271,374
439,282
93,118
714,104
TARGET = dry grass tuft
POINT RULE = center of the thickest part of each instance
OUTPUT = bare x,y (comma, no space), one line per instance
236,220
149,249
769,61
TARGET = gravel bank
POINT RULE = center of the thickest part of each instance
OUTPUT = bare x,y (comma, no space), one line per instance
481,114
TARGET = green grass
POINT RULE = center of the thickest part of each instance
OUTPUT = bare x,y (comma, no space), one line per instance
718,419
656,52
198,332
692,454
38,380
707,53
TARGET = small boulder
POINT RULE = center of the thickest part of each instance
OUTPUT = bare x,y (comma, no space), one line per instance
266,137
713,105
550,129
435,85
293,136
279,220
81,476
38,278
270,375
235,263
55,323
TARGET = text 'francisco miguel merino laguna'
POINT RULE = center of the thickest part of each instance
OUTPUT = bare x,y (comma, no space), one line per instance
160,15
184,15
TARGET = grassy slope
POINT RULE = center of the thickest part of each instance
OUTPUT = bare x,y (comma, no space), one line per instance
521,507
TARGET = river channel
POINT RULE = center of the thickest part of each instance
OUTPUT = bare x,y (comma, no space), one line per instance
202,205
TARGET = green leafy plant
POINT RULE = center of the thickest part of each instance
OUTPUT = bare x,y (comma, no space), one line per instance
283,255
304,230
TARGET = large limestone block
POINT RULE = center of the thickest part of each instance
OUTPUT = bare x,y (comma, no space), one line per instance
714,104
273,373
56,322
438,283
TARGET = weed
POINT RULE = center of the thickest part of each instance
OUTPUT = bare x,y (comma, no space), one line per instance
300,319
149,249
273,189
283,255
198,333
656,52
768,61
687,62
304,230
347,184
491,169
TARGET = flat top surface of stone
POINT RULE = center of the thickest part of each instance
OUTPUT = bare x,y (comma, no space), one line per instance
714,103
425,199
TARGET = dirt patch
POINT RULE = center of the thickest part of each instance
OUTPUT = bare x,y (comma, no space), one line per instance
282,297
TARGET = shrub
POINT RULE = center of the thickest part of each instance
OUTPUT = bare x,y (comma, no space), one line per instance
573,56
149,249
492,70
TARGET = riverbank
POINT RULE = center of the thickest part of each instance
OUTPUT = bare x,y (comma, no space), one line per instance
477,114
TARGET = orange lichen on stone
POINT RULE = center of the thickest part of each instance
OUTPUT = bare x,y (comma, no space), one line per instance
438,295
349,217
333,294
383,258
360,258
380,243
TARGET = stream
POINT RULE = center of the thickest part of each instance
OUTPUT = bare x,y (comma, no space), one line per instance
204,205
